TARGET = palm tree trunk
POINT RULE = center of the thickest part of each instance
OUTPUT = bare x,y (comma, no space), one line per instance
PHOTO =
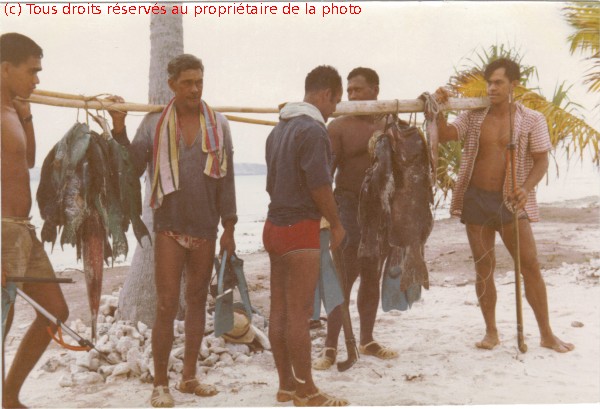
137,301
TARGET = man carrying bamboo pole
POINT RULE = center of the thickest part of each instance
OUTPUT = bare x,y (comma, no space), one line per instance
22,253
350,136
190,149
298,155
485,200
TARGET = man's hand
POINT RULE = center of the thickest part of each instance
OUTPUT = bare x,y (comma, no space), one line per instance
118,117
227,242
518,198
337,235
441,95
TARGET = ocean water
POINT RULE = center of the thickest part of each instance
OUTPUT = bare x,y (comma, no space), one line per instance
252,202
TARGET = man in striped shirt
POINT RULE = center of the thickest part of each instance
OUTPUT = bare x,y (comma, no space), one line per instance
484,199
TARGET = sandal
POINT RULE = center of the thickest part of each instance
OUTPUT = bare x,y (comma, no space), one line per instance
199,389
380,352
161,397
324,362
285,396
319,399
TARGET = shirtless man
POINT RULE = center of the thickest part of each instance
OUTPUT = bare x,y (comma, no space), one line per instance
349,141
484,199
22,253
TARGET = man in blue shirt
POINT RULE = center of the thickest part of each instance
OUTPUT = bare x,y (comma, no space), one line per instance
298,155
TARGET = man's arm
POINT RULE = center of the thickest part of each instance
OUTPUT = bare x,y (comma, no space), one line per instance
140,150
226,195
335,138
539,169
446,133
23,109
323,198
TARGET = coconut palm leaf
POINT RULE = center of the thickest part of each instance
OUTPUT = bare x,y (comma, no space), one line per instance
584,17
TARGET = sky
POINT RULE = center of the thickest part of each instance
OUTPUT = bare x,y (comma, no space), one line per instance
261,61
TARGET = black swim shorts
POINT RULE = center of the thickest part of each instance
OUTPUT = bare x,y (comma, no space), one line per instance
484,208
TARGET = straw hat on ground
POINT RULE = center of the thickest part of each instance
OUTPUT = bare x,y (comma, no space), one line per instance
242,332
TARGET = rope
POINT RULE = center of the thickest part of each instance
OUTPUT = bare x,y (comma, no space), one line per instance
431,106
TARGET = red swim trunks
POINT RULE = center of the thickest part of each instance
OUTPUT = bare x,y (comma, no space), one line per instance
281,240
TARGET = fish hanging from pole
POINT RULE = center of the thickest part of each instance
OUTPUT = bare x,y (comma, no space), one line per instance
395,213
89,191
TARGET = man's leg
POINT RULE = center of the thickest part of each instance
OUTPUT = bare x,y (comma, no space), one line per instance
35,341
169,261
482,241
302,272
300,283
368,302
535,288
198,271
277,325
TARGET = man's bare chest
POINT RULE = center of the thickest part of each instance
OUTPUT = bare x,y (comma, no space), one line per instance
495,133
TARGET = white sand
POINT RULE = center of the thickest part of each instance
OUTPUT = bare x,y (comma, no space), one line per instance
438,363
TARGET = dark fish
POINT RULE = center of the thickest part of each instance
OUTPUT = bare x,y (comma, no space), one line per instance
129,188
375,199
47,198
394,211
412,220
105,196
89,188
74,207
92,243
70,150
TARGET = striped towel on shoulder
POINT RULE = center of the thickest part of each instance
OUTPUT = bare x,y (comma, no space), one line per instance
166,156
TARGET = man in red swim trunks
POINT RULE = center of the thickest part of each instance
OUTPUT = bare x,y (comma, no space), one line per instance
298,155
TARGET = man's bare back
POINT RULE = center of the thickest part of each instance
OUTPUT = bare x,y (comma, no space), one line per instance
16,192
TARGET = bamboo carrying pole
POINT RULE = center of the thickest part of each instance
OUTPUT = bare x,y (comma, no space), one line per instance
343,108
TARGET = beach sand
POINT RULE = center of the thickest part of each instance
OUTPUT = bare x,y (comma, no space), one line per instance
438,363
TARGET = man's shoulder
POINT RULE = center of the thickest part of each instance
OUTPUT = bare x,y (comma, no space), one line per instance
530,113
221,117
151,119
306,125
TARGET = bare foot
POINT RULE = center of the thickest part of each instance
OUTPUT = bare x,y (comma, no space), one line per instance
556,344
488,342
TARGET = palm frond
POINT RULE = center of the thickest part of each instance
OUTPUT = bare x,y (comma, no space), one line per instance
565,128
584,17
